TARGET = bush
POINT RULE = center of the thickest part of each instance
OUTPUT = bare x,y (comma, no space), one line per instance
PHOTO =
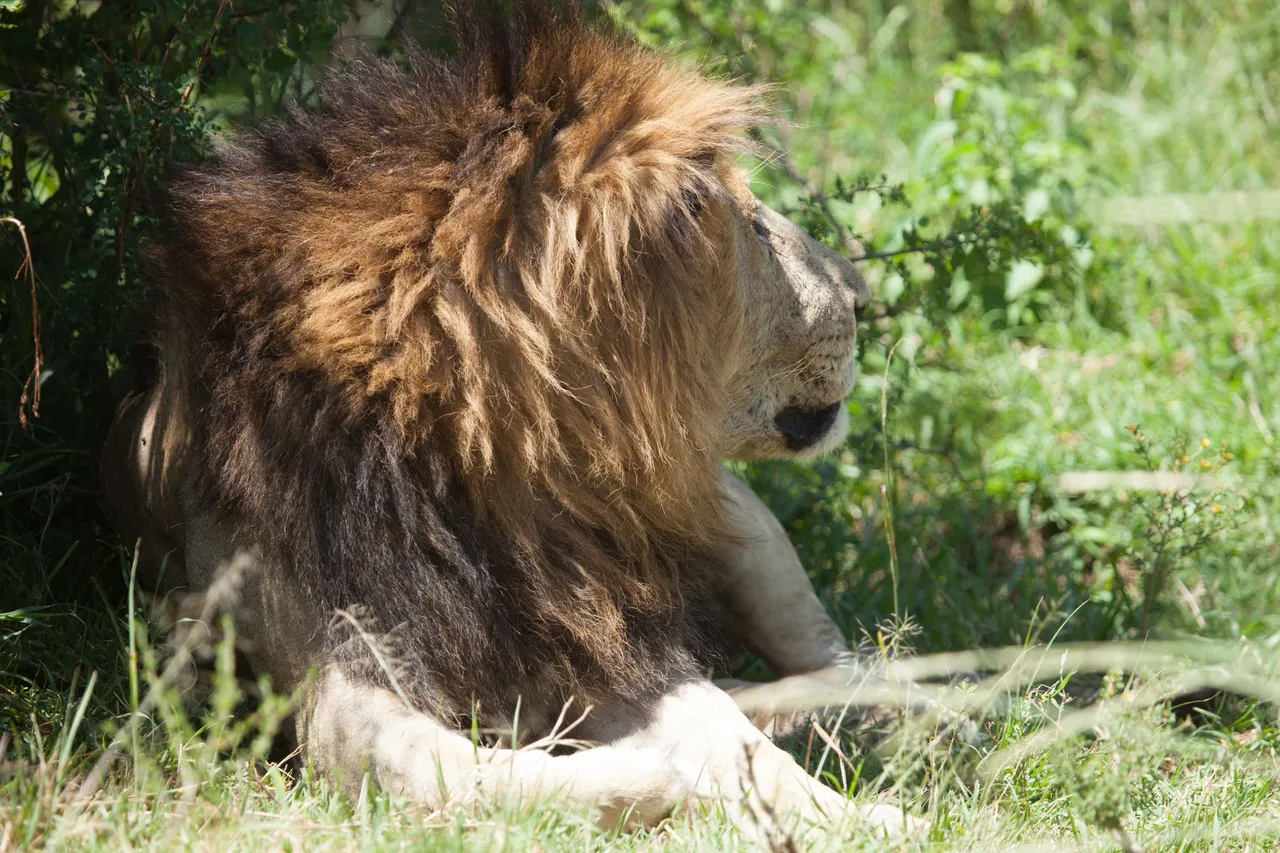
97,102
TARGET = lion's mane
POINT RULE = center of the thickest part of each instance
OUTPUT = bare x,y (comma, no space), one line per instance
451,346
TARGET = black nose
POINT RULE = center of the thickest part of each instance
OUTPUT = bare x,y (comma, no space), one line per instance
802,427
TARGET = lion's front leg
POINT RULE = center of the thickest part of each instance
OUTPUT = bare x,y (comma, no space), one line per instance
353,728
710,740
776,612
779,617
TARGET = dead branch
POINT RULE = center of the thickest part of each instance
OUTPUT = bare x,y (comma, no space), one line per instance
30,388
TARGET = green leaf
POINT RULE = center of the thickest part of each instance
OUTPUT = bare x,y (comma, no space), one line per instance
1022,279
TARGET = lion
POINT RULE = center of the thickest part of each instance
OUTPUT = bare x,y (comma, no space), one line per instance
450,361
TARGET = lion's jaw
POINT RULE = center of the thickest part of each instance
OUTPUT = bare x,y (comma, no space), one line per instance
798,359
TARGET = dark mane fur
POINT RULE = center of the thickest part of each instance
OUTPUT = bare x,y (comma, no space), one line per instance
449,343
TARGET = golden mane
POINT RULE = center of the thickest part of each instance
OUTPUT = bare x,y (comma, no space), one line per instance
485,286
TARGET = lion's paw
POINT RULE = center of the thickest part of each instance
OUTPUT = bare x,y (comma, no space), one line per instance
891,820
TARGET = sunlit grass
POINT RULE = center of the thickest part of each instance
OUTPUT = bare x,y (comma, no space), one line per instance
1170,327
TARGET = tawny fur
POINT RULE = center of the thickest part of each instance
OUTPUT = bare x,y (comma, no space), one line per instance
454,340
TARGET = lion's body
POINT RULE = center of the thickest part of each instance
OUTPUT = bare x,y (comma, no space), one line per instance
456,354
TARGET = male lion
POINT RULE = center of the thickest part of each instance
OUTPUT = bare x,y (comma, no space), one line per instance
460,349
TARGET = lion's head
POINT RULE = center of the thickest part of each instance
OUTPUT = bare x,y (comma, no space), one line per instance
796,362
493,321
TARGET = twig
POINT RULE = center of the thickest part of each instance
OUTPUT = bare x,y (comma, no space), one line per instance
173,38
886,487
400,25
204,54
30,388
146,96
834,747
558,736
899,681
945,243
815,192
374,649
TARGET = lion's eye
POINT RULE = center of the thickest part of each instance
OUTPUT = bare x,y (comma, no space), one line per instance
757,225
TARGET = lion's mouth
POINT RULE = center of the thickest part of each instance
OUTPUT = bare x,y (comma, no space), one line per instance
802,427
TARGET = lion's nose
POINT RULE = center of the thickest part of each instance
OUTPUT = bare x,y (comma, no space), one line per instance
802,427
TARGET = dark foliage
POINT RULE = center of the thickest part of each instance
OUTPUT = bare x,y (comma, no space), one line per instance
97,102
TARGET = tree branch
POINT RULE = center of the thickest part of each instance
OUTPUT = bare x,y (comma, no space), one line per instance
815,192
946,243
400,25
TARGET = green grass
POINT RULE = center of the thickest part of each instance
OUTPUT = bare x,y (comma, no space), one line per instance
997,388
